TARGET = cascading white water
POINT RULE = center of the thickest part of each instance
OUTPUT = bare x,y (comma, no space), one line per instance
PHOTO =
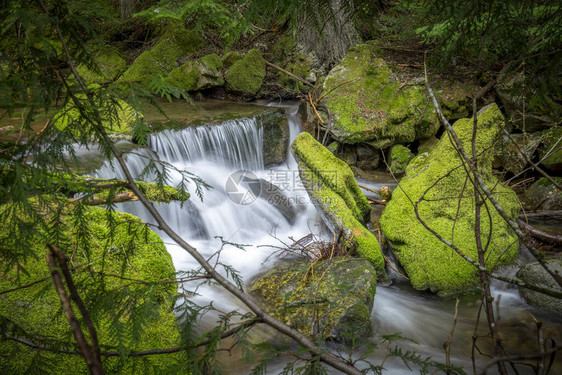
214,153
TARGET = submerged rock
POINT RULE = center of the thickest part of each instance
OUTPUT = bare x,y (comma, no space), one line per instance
330,299
200,74
368,103
246,75
332,188
535,274
430,263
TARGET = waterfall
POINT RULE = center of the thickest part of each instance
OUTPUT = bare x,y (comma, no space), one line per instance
215,153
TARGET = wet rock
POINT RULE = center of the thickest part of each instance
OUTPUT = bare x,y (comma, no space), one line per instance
332,188
331,299
510,157
367,158
369,104
246,76
275,136
535,274
543,195
288,206
429,263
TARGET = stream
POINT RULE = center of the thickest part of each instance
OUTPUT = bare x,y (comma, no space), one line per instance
230,211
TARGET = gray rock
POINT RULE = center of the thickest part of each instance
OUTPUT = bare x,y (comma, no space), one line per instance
543,195
510,156
535,274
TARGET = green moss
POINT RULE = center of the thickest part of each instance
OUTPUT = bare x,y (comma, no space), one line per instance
198,74
117,119
399,158
429,263
369,104
301,67
332,187
164,56
110,63
246,75
132,253
230,58
330,299
332,173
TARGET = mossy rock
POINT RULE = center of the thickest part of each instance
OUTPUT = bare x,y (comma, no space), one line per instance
400,156
110,63
118,120
246,76
200,74
132,253
301,66
163,57
535,274
543,195
230,58
552,145
333,189
369,105
429,263
329,300
427,145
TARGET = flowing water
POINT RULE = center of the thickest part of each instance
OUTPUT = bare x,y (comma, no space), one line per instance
215,153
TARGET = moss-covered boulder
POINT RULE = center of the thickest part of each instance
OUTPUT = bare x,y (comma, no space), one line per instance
535,274
330,299
400,156
200,74
332,187
230,58
163,57
110,63
543,195
118,120
448,208
368,104
105,266
551,149
246,76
